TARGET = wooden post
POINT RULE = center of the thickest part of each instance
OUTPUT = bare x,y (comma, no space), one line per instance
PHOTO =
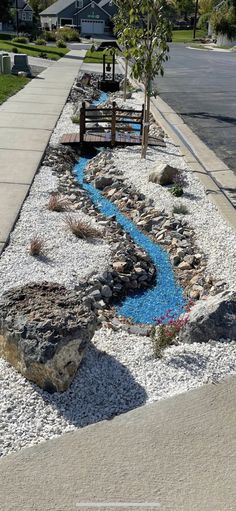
113,66
141,122
113,124
82,123
104,66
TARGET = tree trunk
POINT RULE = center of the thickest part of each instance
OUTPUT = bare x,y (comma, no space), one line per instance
144,117
125,78
147,105
146,127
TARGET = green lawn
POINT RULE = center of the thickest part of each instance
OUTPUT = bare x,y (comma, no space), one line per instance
186,36
96,57
10,84
33,50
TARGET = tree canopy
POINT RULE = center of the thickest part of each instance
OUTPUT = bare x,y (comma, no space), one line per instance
40,5
5,6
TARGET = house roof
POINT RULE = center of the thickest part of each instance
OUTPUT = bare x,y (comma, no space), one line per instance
89,5
57,7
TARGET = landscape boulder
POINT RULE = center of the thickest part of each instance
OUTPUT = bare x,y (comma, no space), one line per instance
44,329
102,181
212,319
163,174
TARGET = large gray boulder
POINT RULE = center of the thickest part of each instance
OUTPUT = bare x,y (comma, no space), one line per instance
214,318
44,329
163,174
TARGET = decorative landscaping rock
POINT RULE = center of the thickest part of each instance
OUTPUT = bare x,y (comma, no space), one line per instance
102,182
214,318
44,329
163,174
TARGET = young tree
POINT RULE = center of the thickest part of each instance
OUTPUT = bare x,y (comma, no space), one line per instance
120,21
147,32
5,6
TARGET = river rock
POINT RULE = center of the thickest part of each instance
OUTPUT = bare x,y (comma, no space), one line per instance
102,181
44,329
214,318
163,174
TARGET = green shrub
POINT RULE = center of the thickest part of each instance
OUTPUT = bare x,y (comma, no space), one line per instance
43,55
49,36
203,20
41,42
75,119
5,37
68,34
21,39
61,43
223,21
14,49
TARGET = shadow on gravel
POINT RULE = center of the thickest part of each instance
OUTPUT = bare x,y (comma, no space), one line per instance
102,389
189,362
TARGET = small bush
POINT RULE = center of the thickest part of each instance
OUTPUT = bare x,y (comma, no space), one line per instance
41,42
5,37
61,43
43,55
57,203
180,209
75,119
14,49
180,182
36,247
21,39
168,327
81,228
68,34
49,36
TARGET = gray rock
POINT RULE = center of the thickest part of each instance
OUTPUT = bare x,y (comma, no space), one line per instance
106,292
44,329
102,181
96,294
214,318
163,174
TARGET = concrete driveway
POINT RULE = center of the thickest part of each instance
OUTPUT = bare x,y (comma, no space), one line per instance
201,87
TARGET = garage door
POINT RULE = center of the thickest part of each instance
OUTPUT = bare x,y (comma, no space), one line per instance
92,26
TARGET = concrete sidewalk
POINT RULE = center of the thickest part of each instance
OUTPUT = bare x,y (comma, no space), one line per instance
178,453
26,123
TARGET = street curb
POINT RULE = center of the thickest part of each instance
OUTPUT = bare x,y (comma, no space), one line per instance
212,172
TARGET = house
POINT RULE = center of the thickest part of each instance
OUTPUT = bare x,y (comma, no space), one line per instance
25,12
25,15
90,17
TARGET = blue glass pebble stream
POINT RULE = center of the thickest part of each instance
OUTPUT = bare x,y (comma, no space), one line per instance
147,305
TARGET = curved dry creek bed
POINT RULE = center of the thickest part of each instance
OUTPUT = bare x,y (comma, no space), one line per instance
165,294
118,371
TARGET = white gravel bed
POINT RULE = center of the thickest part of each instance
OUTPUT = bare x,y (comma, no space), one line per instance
64,125
68,259
118,372
116,376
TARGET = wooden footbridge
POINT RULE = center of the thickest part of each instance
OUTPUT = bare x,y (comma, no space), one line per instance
109,127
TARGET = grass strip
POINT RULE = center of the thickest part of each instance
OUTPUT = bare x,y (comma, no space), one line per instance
34,50
10,85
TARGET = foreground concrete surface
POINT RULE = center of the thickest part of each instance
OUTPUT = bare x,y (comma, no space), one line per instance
178,453
27,120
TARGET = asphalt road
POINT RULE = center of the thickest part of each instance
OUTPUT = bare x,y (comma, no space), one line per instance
201,87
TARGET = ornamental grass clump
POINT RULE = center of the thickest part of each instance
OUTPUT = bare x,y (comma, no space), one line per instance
167,328
180,209
58,203
81,228
37,247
